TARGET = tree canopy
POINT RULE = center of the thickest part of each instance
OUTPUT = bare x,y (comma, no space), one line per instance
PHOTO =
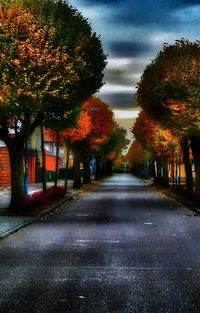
169,92
47,69
170,87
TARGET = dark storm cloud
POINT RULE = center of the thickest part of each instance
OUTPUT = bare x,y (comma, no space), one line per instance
119,100
185,2
121,77
99,2
118,77
129,48
157,2
151,13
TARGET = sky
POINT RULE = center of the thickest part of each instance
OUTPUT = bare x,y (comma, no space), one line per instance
132,33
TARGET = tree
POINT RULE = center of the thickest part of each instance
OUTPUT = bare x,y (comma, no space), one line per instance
76,136
135,157
115,147
93,130
169,91
160,142
44,73
102,127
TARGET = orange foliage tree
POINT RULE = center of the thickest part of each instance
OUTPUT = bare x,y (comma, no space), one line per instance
160,142
32,70
102,127
92,132
44,71
96,135
74,136
169,92
135,157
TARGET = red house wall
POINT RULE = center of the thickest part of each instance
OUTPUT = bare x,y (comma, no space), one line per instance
5,179
4,167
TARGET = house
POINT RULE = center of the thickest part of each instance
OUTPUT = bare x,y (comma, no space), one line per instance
4,165
34,159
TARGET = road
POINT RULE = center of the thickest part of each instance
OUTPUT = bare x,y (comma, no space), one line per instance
122,248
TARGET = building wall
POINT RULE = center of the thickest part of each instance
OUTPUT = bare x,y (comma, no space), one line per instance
4,167
34,144
50,162
31,169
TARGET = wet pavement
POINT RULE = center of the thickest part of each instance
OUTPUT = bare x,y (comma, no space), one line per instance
122,248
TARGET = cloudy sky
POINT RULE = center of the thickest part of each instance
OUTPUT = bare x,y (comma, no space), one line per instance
132,33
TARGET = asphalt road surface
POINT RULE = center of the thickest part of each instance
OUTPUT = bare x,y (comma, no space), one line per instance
122,248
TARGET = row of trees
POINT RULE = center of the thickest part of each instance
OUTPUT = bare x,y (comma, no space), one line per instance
167,129
50,64
96,135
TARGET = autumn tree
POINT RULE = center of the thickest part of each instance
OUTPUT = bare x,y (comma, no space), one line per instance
93,130
169,92
76,137
45,71
158,141
115,147
135,157
102,126
58,132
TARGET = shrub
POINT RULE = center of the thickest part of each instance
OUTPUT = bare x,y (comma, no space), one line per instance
37,199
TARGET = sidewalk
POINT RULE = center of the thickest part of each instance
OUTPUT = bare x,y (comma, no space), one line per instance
9,224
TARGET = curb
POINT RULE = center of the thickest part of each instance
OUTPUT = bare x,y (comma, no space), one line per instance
16,228
188,204
68,197
35,218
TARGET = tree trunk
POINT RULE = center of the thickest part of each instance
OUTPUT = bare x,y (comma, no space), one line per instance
153,170
146,174
86,171
159,175
98,172
109,167
16,153
176,169
165,177
172,170
76,172
57,157
188,167
67,163
44,180
195,146
179,169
